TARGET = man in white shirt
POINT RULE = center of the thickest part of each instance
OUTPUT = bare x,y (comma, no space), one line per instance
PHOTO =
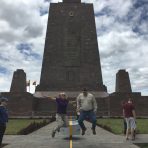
87,106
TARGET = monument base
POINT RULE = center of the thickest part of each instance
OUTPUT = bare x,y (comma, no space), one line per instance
71,94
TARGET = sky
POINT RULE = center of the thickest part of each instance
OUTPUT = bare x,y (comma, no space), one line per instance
122,32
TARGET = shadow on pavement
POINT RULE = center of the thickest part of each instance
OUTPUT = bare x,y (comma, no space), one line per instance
73,138
4,144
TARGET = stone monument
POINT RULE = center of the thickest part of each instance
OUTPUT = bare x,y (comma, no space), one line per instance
71,58
18,81
123,82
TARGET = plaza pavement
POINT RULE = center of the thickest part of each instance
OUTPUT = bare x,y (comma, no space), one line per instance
42,139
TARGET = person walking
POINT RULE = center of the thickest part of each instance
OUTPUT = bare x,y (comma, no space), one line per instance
130,117
87,106
3,117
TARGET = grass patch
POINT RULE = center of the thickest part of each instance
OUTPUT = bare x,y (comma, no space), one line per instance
33,127
142,145
142,125
15,125
116,125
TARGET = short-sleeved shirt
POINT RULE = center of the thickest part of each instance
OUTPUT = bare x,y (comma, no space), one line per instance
62,105
128,108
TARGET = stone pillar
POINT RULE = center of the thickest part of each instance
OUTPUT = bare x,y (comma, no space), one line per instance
18,81
123,82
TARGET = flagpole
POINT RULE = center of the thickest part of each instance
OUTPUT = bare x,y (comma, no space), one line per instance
35,86
34,83
29,86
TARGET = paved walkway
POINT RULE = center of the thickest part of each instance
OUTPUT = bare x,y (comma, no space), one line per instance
42,139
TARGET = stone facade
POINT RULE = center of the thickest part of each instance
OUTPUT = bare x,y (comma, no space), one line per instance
123,82
71,58
24,104
18,81
20,104
140,102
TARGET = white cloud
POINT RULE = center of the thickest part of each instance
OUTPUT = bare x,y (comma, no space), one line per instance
20,21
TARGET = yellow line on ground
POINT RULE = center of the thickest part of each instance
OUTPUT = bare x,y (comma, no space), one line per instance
70,131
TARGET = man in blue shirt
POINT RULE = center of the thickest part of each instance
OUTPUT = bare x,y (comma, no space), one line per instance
61,115
3,117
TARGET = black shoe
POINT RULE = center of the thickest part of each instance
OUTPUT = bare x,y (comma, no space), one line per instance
53,134
93,131
83,131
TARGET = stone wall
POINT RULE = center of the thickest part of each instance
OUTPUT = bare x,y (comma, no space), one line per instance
20,104
25,104
140,102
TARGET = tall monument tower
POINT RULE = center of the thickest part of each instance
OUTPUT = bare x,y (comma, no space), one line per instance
71,58
123,82
18,81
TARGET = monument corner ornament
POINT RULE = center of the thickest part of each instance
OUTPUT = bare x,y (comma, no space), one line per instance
71,58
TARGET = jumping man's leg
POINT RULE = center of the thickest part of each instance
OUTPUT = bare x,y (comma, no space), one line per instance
92,118
59,124
65,120
80,121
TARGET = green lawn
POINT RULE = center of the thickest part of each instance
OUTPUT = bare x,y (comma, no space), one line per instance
15,125
116,125
143,145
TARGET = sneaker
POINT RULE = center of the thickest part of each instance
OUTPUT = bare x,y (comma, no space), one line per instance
83,131
53,134
93,131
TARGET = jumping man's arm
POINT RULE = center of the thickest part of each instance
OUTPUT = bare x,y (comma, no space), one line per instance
78,104
94,104
49,97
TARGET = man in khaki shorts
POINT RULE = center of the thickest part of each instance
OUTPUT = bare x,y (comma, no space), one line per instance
130,118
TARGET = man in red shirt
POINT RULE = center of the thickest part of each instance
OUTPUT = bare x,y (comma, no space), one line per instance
130,117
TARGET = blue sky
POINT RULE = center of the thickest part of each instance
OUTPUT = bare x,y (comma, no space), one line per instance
122,30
